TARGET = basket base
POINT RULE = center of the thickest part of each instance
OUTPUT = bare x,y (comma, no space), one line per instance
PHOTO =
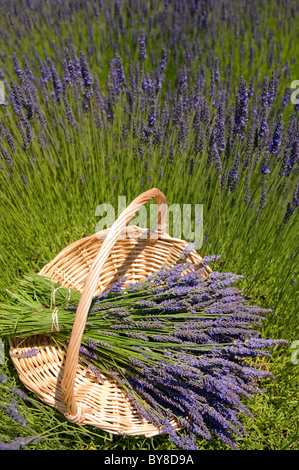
40,362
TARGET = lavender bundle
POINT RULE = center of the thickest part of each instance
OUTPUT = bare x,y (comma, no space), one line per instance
178,343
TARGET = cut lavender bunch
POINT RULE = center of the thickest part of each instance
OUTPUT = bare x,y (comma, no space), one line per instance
177,342
18,443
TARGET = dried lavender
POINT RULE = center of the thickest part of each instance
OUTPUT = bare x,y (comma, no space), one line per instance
18,443
16,416
167,341
290,159
3,379
163,61
7,157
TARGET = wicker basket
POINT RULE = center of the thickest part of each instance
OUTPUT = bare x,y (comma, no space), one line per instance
90,265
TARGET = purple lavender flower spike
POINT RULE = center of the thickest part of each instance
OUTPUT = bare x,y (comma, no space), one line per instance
7,157
163,61
18,443
27,69
3,379
234,176
24,179
69,66
264,170
16,416
291,159
120,71
264,124
87,79
19,393
296,196
17,68
142,46
241,107
265,93
56,81
289,212
276,140
76,66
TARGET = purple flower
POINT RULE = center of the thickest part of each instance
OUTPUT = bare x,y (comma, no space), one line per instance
17,68
45,71
264,170
76,66
163,61
27,69
273,86
214,378
264,124
67,81
161,173
171,154
233,176
296,196
290,160
152,117
241,107
276,139
120,71
19,393
16,416
3,378
263,198
69,114
247,196
265,93
220,128
56,81
88,352
289,212
87,79
7,157
68,65
286,98
142,47
18,443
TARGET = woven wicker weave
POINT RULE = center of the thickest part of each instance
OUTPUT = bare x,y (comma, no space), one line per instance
90,265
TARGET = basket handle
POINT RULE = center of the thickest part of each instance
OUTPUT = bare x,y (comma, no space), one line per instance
74,413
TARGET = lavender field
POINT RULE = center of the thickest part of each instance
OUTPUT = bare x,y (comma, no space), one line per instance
200,99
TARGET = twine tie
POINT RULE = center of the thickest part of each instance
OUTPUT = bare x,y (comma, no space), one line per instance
55,323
